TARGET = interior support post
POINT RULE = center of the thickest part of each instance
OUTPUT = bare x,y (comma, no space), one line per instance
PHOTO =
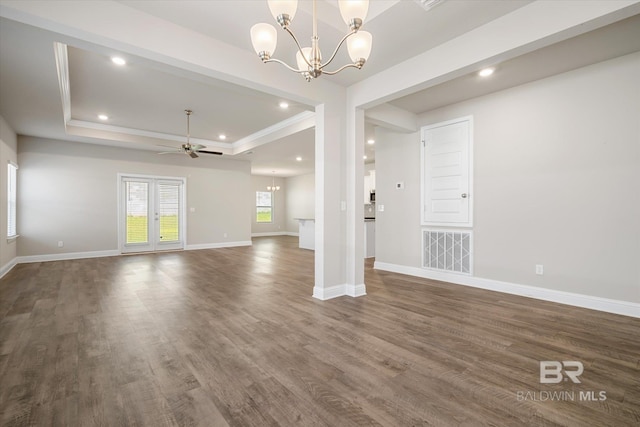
330,254
355,204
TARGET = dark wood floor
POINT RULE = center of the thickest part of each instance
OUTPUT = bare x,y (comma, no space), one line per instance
232,337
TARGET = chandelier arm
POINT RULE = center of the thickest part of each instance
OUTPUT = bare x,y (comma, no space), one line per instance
285,64
295,39
335,52
331,73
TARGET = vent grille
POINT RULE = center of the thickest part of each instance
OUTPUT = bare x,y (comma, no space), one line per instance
447,250
429,4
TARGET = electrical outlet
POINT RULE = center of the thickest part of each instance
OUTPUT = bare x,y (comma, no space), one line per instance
539,269
400,185
60,244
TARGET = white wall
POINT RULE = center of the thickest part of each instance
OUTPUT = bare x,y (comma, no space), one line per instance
300,200
556,182
68,192
398,226
260,183
8,152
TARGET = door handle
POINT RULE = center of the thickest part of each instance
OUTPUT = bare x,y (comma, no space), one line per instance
464,195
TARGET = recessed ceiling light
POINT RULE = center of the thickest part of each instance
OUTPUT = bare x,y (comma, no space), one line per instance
284,105
118,61
371,141
103,117
486,72
222,136
298,159
364,157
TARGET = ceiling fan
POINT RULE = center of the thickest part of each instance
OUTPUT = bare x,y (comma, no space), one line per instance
188,148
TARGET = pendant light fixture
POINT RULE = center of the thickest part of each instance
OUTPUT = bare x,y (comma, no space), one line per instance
264,37
273,187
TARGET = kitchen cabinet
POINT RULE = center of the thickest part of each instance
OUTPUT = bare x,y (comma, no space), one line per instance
369,238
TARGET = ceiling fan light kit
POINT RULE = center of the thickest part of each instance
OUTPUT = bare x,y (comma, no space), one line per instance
192,150
264,38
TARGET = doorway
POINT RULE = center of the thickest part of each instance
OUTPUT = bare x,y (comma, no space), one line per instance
151,213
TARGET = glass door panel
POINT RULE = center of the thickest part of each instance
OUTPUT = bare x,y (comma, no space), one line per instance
152,214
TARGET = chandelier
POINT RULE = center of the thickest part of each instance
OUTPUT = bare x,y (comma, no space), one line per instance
273,187
309,60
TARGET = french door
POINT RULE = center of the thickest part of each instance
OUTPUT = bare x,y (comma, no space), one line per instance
151,214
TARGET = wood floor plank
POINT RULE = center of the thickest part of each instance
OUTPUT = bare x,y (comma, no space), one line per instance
232,337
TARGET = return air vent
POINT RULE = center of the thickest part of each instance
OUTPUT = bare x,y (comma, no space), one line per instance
429,4
447,251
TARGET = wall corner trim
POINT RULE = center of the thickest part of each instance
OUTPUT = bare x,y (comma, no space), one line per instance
7,267
624,308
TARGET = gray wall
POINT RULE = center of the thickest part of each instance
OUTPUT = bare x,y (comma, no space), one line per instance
68,192
301,203
8,152
556,182
260,183
398,226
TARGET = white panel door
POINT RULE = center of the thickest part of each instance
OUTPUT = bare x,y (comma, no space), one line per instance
446,173
151,214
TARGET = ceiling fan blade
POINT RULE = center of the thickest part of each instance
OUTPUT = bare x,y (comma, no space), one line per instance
218,153
192,154
169,146
197,147
171,152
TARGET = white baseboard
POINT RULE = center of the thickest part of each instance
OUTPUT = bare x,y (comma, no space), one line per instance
98,254
274,233
356,290
217,245
339,291
624,308
330,292
7,267
66,256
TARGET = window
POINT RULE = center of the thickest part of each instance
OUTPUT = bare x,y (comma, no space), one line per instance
11,200
264,206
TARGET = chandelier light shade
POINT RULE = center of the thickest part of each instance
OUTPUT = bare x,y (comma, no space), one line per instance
309,63
353,10
359,46
303,57
264,38
285,8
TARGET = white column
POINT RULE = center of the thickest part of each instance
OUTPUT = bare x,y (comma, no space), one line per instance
355,207
330,276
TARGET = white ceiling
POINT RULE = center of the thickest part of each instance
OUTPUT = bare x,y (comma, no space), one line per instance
148,97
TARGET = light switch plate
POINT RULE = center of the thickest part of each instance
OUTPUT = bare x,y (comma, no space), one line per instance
380,208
